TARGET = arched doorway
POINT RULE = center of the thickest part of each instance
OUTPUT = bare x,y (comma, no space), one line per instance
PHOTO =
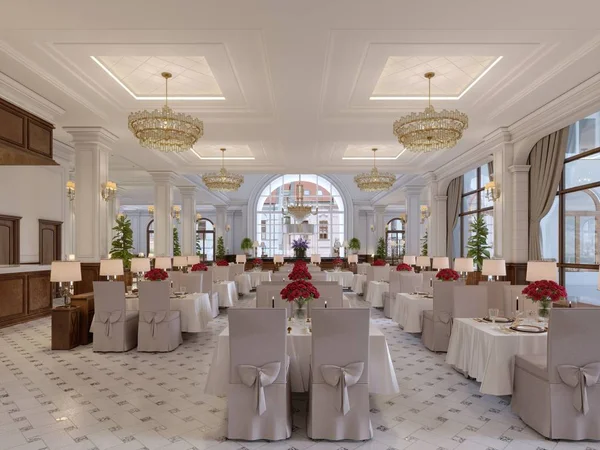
205,239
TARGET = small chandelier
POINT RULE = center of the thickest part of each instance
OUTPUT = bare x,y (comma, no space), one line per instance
71,190
176,212
492,191
299,210
223,180
151,210
108,190
164,129
430,130
375,180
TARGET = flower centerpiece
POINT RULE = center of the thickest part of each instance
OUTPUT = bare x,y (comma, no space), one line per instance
222,263
379,262
156,275
300,273
337,264
300,263
300,246
300,292
447,275
402,267
257,263
545,292
199,267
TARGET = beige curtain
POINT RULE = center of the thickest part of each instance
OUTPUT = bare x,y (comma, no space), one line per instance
455,189
546,160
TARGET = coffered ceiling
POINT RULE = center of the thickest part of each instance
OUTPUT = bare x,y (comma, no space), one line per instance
295,87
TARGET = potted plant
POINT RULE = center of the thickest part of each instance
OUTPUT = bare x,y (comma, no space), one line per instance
247,245
300,246
477,246
176,244
447,275
381,252
220,254
402,267
424,244
545,292
300,292
122,243
354,245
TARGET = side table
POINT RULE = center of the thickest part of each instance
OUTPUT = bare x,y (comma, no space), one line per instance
86,306
65,327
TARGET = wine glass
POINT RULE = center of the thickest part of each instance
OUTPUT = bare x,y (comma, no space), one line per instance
182,290
493,313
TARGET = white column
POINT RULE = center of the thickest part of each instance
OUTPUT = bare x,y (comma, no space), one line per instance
220,221
356,227
438,225
163,222
520,213
413,213
65,156
371,244
92,147
379,222
431,223
503,159
188,220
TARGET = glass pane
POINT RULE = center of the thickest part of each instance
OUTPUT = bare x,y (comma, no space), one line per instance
485,202
583,136
470,181
469,203
582,171
466,232
549,228
581,222
582,285
489,220
485,174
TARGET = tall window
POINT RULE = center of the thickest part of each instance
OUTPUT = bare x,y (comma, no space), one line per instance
394,237
474,204
150,237
570,230
205,239
272,223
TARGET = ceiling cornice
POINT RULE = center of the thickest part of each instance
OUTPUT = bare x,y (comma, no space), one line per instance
25,98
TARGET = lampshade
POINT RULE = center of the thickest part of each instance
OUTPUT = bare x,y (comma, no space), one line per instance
541,270
440,262
191,260
345,244
278,259
423,261
494,267
463,264
240,259
352,259
256,244
315,258
180,261
411,260
140,265
110,267
162,262
63,271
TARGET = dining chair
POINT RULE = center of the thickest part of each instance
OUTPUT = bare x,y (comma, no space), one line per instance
470,301
259,398
191,282
511,292
221,273
312,268
207,288
437,323
235,270
361,269
410,282
496,294
334,294
339,372
558,394
376,273
427,280
174,279
159,328
268,293
115,329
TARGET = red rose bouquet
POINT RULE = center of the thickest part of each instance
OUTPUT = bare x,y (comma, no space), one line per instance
156,275
338,262
403,268
299,263
300,291
199,267
545,292
447,275
300,273
257,262
378,262
222,263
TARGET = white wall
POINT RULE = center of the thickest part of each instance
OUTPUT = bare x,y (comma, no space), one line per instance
32,193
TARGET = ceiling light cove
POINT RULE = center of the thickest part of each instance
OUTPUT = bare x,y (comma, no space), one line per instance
137,75
402,76
239,152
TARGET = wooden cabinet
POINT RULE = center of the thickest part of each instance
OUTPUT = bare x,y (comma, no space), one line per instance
65,327
24,296
85,302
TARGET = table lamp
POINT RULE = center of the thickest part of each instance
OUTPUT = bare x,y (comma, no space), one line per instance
278,259
256,244
440,262
315,259
423,262
411,260
194,259
463,266
240,259
65,273
494,268
111,268
352,259
541,270
140,266
180,262
162,262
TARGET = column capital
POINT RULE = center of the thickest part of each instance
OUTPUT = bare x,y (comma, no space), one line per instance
522,168
429,177
379,209
163,177
440,198
91,136
187,190
412,191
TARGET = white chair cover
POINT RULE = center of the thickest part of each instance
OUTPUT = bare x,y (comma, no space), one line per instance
339,389
470,301
318,276
333,293
313,268
235,270
175,278
221,273
376,273
267,292
115,329
207,288
191,281
510,300
361,268
428,280
159,328
437,324
259,398
496,294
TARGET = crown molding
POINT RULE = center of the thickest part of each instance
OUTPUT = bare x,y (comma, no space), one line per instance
20,95
63,154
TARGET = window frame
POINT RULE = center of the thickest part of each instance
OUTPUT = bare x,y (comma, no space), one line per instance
201,235
478,211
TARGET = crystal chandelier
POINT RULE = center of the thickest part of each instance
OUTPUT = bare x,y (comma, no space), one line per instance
164,129
299,210
375,180
430,130
223,180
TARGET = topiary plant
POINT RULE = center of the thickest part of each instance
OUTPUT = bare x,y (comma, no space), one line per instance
247,245
381,252
424,244
122,243
176,244
220,248
354,244
477,245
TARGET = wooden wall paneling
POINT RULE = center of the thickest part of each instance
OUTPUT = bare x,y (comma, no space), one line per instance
13,302
10,239
90,272
516,273
39,289
25,296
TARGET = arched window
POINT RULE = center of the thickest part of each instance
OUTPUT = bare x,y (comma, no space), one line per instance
276,229
205,239
394,237
150,237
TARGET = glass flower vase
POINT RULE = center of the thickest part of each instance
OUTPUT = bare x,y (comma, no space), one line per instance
544,310
300,312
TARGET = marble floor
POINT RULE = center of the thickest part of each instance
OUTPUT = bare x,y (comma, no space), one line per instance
84,400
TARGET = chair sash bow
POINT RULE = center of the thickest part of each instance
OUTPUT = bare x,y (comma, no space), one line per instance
259,377
153,318
342,378
579,378
108,318
446,318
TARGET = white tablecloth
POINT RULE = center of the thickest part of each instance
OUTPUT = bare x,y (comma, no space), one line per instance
227,293
382,378
407,311
358,283
257,278
375,293
344,279
195,310
243,283
487,354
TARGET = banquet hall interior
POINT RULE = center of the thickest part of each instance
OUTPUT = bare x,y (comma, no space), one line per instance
324,225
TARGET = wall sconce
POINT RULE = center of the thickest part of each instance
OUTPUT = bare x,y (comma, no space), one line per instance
176,212
108,191
425,213
151,210
372,228
198,216
71,190
227,228
492,191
